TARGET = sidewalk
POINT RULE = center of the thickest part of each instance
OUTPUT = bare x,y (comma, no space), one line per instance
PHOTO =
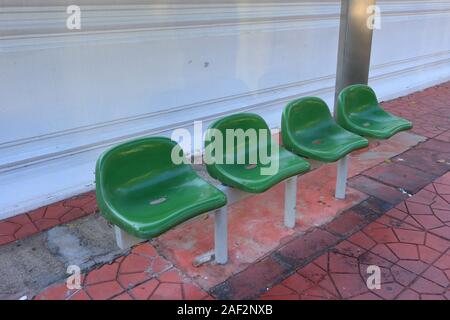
410,243
396,216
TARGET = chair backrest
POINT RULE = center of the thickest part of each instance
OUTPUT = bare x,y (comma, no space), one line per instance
129,166
305,114
358,98
303,117
248,124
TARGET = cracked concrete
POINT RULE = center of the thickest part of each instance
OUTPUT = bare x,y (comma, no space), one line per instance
28,265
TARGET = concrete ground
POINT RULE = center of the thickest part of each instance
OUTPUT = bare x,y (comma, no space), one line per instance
395,216
29,264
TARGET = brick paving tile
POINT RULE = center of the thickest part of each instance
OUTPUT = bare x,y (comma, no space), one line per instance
142,275
44,218
377,189
400,176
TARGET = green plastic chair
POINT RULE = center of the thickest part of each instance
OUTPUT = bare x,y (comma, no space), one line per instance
309,130
358,111
247,176
141,190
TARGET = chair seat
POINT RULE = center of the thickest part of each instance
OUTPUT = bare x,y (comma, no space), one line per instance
249,178
143,192
379,125
309,130
327,144
358,111
149,212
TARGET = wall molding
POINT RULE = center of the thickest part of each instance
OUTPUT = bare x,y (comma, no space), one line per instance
37,28
123,21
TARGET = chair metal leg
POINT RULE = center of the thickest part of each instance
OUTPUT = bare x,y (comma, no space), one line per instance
125,240
341,178
221,235
220,252
290,202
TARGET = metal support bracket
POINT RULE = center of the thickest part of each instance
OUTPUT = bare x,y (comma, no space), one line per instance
290,202
220,252
341,178
125,240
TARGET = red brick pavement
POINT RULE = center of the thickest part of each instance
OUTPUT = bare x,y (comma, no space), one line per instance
143,274
47,217
410,244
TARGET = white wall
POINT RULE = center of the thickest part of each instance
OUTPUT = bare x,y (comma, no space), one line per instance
146,69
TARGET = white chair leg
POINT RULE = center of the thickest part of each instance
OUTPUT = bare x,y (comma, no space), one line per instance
290,202
221,235
125,240
341,178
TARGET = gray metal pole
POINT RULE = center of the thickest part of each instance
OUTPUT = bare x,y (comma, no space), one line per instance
353,63
355,44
